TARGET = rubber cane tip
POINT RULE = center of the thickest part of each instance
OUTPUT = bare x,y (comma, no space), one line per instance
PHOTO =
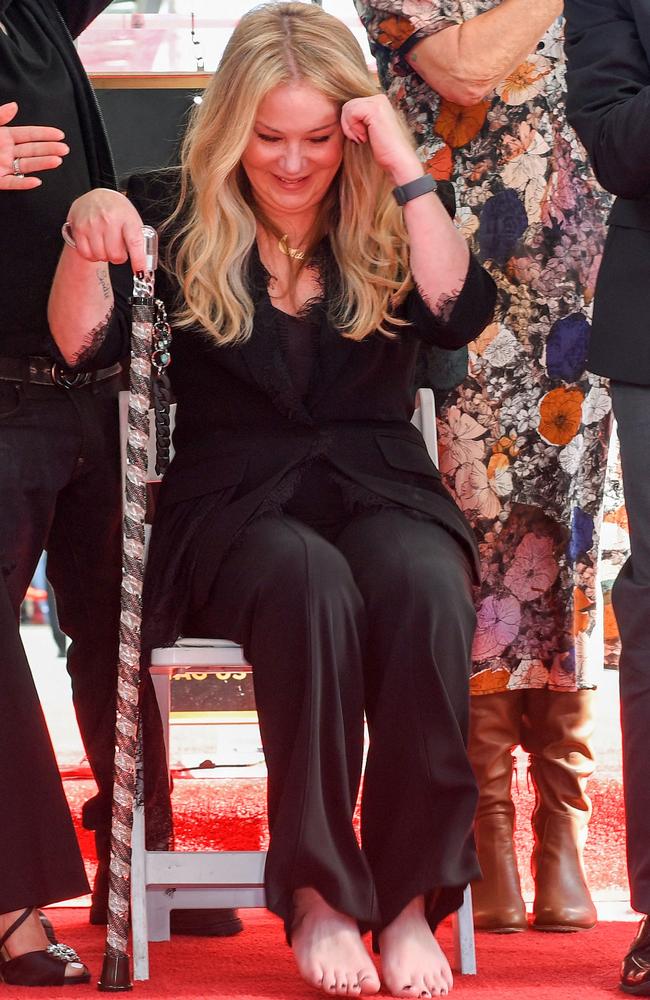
116,974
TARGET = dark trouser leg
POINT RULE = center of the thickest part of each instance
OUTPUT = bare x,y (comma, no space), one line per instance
631,599
40,858
57,634
419,791
556,731
495,730
288,597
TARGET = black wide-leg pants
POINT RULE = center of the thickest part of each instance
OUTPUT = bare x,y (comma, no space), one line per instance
380,617
60,490
40,860
631,600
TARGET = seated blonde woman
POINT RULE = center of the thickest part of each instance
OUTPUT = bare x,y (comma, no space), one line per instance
301,515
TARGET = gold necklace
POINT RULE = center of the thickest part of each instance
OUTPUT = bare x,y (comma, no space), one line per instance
283,247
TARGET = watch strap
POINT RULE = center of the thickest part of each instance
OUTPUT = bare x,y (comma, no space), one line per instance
414,189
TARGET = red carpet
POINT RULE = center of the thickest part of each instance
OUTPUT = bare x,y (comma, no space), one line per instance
230,815
257,965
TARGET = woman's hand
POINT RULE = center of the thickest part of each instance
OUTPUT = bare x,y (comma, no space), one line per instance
106,227
373,120
25,149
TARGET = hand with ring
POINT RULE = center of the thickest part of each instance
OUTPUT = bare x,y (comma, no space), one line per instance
27,149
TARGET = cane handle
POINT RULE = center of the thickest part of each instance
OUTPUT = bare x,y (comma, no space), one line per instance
150,237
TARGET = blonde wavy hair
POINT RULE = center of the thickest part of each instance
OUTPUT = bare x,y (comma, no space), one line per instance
216,216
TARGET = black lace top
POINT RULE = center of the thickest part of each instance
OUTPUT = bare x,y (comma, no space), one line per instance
299,340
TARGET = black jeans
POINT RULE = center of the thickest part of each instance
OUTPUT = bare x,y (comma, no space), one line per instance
631,600
379,617
60,490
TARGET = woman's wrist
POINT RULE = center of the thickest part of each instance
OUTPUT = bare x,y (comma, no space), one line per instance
406,170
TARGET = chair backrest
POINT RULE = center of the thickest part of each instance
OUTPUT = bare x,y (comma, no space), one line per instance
424,418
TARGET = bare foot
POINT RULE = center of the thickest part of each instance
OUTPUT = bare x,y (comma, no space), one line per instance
413,963
30,936
328,948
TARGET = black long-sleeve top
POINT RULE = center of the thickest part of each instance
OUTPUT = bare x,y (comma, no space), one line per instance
40,69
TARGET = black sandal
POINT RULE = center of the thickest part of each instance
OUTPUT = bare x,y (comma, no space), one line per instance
46,924
39,968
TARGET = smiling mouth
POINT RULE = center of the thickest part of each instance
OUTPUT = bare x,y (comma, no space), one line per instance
290,180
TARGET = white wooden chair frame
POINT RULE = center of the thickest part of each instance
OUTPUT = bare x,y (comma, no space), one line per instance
162,881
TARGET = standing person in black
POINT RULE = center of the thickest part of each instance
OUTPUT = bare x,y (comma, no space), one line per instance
608,46
41,859
59,466
302,515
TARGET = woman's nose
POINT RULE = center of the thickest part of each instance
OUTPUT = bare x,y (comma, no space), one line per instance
292,159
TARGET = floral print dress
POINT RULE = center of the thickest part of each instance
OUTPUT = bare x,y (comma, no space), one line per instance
524,438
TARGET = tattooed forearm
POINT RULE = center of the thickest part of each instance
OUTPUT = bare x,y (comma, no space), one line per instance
92,342
104,282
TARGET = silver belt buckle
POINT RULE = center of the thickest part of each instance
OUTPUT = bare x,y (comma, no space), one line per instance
69,380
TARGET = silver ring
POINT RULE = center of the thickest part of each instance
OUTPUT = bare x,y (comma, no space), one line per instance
17,171
68,238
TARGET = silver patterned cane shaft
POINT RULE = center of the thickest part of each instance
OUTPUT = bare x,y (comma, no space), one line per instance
128,782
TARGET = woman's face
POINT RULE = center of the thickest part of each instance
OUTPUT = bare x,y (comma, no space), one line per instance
294,152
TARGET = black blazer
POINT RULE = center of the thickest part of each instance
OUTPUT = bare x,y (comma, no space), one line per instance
608,51
63,20
241,428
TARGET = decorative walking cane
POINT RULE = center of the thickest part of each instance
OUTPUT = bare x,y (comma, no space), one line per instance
149,343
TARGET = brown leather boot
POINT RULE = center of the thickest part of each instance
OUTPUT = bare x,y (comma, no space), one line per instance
494,733
557,729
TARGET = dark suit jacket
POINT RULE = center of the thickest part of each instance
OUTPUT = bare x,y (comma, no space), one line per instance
608,50
63,20
241,428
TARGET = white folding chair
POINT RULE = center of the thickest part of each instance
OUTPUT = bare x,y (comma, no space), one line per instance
162,881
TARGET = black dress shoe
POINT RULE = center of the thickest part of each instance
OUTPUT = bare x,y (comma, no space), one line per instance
201,923
635,970
205,923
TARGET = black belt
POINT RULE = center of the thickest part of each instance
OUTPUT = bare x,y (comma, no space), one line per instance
44,371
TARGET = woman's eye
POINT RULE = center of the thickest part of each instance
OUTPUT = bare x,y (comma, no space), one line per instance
321,138
268,138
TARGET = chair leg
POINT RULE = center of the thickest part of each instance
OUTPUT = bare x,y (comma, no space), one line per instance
139,928
464,945
158,914
162,687
155,902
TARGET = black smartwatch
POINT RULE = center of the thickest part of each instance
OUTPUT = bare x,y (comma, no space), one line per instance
407,192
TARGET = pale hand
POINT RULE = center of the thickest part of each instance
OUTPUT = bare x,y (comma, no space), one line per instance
106,227
373,120
32,148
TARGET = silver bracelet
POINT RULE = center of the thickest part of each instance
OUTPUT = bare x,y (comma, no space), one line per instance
68,238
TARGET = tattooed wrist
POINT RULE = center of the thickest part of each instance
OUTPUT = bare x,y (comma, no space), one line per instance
92,341
104,282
